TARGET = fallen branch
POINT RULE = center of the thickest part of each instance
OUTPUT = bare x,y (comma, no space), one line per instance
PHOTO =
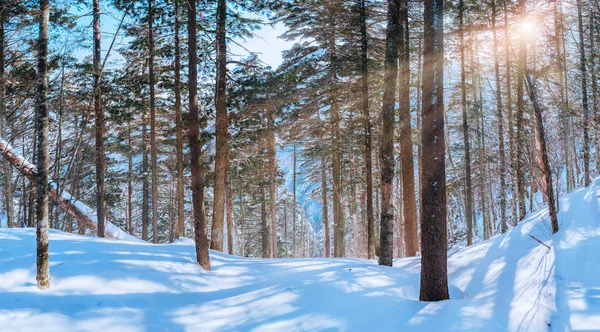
76,209
540,242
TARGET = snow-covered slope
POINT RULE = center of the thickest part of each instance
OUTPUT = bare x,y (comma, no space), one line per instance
508,283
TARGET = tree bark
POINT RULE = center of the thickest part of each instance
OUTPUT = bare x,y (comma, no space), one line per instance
42,123
153,147
533,96
272,176
99,127
406,144
294,209
324,210
221,124
8,190
180,227
434,269
392,42
367,132
195,125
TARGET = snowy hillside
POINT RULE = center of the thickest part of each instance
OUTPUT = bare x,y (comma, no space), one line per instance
508,283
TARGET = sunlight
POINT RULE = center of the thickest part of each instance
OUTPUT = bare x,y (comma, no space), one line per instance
528,27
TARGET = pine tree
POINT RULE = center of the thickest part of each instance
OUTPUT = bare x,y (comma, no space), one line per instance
434,275
195,125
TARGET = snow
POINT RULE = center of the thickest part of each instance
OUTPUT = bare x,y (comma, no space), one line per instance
509,283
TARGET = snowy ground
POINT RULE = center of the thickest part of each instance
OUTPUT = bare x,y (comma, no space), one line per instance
508,283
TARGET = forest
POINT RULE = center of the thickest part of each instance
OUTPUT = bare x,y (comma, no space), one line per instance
398,133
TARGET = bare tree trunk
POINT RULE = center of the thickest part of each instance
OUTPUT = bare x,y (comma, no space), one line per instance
500,115
465,127
434,244
593,68
195,125
42,123
266,239
285,228
221,124
8,190
229,209
393,38
324,210
130,185
584,99
368,132
294,209
146,180
180,228
272,176
99,128
406,144
533,96
153,147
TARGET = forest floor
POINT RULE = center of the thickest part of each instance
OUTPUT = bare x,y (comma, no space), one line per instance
510,282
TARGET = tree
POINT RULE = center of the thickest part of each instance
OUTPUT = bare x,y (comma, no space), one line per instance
180,229
196,143
537,108
367,134
153,147
221,124
434,269
99,125
42,127
386,252
409,203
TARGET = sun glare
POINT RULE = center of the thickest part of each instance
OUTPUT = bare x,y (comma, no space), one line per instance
527,27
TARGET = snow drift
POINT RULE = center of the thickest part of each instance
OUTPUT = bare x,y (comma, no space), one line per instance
509,283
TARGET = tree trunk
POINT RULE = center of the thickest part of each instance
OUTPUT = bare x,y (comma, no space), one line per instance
195,126
180,228
434,244
130,185
500,115
42,124
533,96
595,110
266,239
520,141
392,41
153,147
221,124
229,209
146,180
272,176
294,209
465,127
324,211
338,220
406,145
99,127
368,132
8,190
584,99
